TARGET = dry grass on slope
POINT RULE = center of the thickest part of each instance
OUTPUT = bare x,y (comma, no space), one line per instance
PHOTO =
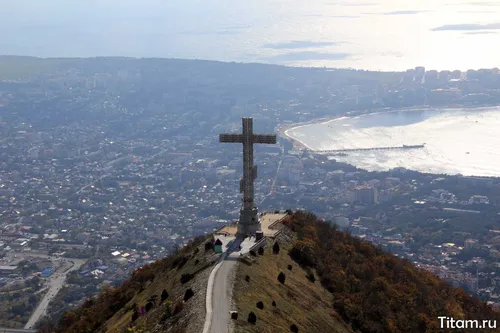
161,319
298,301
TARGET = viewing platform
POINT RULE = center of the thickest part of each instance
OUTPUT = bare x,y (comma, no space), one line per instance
270,223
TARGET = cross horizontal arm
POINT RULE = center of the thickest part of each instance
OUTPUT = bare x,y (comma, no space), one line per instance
264,138
235,138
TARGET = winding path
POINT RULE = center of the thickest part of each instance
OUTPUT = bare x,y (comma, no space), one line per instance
218,300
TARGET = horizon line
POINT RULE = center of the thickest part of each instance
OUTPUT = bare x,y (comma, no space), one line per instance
235,62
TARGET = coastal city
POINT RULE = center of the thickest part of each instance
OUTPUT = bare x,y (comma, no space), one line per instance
110,164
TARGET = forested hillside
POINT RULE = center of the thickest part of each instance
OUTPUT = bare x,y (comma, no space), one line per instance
375,291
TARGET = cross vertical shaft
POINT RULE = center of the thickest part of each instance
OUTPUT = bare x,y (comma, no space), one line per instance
249,221
248,169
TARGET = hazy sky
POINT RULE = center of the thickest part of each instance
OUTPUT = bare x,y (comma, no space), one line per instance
385,34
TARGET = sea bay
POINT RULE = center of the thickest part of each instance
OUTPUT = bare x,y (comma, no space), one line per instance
457,141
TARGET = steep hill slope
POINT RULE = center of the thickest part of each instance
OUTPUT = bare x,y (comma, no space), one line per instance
162,289
330,282
374,291
298,301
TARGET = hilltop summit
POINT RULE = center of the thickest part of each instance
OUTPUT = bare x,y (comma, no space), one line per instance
310,277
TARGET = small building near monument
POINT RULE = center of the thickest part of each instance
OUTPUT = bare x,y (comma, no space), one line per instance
218,246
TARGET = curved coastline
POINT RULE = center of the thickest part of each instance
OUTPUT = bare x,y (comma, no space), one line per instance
299,145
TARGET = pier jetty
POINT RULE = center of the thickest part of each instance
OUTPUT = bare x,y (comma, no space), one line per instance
347,150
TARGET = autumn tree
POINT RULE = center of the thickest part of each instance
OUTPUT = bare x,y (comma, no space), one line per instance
149,306
188,294
281,277
252,318
186,277
276,248
135,315
303,252
209,246
164,296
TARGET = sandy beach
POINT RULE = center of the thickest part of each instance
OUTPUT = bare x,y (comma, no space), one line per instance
298,145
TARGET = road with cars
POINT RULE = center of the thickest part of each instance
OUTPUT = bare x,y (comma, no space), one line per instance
54,284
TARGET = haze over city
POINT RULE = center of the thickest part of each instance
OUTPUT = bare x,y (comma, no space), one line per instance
249,166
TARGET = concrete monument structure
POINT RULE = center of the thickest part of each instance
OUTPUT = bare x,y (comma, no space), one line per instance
249,222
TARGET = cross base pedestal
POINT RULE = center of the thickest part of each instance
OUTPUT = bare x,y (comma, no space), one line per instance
249,222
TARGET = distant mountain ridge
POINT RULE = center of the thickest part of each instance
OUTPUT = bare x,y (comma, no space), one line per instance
311,278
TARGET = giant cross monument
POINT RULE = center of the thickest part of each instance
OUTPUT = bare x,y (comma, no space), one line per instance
249,220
